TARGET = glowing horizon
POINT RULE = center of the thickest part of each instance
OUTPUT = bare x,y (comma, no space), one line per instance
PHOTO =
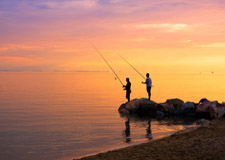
161,36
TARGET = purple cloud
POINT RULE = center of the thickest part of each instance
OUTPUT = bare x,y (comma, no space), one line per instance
43,6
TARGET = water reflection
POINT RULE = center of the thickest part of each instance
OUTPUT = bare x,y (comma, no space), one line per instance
148,130
178,121
153,126
127,131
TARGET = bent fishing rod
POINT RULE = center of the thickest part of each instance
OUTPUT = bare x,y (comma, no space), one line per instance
108,64
132,66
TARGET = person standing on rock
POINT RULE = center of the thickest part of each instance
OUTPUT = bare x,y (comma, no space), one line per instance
148,83
127,88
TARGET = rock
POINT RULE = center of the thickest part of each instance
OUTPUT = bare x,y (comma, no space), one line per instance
188,105
179,112
165,107
160,114
204,122
177,107
122,106
177,103
131,106
215,109
147,107
124,111
203,100
186,108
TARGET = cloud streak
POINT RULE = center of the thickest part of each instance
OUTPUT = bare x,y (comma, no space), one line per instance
164,27
212,45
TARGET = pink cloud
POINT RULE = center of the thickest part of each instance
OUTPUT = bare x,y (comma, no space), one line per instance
55,32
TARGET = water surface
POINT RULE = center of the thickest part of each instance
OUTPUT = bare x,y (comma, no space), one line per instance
68,115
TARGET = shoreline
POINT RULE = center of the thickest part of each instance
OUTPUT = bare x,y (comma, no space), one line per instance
204,142
185,129
130,145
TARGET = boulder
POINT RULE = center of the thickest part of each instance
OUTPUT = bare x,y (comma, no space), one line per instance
121,108
165,107
215,109
204,122
177,107
178,112
124,111
147,107
186,108
188,105
177,103
160,114
131,106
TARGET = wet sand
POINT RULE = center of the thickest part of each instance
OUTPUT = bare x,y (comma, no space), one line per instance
205,142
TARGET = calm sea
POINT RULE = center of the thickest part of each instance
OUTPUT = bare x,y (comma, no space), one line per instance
69,115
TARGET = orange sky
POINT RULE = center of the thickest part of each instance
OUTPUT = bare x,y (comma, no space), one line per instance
155,36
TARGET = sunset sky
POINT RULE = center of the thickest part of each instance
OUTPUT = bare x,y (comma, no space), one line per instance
155,36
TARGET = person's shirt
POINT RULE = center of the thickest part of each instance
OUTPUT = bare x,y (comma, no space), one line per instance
128,86
148,82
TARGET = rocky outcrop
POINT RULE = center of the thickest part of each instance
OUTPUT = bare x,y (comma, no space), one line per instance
177,103
144,106
132,106
147,107
166,108
215,109
174,107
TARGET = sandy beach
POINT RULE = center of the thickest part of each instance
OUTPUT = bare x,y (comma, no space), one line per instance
205,142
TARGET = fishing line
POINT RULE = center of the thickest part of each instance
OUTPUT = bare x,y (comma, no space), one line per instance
108,64
132,66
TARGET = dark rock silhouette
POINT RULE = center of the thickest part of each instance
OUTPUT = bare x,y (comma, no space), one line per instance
173,107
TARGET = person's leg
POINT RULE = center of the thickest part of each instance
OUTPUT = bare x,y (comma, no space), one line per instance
148,93
147,90
149,97
128,95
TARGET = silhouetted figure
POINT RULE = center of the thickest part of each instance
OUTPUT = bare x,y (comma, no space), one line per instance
127,88
127,131
148,83
149,131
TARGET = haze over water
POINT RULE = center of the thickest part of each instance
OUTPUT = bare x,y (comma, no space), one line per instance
60,115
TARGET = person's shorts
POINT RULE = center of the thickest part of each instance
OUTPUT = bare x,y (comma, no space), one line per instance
128,94
149,89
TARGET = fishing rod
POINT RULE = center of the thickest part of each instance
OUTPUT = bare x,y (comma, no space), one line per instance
108,64
132,66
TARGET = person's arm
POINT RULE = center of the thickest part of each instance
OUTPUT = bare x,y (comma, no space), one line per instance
145,82
124,87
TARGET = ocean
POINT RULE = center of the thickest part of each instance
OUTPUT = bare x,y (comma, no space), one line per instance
66,115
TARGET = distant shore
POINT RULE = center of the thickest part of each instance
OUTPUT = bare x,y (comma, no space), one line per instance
206,142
